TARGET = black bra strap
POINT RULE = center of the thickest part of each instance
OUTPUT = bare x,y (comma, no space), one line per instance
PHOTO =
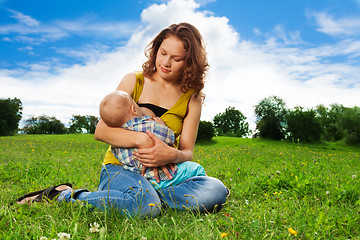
159,111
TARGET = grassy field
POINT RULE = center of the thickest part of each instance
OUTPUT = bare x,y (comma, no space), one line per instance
313,190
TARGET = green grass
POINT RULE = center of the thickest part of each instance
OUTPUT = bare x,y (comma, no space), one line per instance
314,189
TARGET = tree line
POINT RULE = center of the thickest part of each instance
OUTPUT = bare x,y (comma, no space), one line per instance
11,114
275,121
50,125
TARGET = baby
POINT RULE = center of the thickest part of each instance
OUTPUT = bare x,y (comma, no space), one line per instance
118,109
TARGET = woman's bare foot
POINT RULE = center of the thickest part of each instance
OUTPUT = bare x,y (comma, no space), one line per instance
27,200
30,199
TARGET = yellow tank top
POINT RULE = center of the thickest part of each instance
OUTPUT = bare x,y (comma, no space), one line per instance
173,118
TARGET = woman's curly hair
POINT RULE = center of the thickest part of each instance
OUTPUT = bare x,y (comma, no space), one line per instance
195,61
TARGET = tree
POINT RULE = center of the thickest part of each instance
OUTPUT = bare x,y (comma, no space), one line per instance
10,116
231,123
80,123
44,125
206,131
270,114
329,120
350,123
303,125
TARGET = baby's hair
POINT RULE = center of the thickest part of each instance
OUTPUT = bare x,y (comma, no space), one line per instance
114,108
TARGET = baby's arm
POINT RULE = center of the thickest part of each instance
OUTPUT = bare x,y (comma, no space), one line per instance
147,112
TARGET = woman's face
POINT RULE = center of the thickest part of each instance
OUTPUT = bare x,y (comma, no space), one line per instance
170,58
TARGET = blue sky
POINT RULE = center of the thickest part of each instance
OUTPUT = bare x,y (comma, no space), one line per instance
61,57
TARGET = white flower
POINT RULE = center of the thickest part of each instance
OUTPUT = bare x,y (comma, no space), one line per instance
63,236
327,192
94,227
353,176
43,238
143,238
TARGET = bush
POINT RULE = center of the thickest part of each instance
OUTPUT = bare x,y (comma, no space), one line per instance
79,124
10,116
270,114
303,125
44,125
270,128
350,123
206,131
231,123
329,120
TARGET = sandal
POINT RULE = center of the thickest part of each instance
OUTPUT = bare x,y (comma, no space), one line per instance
227,192
47,194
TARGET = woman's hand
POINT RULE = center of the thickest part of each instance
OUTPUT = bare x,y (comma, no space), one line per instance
159,155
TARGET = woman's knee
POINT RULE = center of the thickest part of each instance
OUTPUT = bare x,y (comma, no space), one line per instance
151,207
204,194
216,194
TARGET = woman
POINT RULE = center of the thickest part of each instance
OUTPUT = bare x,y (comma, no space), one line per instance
170,85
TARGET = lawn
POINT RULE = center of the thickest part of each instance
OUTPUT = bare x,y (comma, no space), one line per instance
313,190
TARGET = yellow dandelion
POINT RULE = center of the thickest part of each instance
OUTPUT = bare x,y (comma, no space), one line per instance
223,235
292,232
151,205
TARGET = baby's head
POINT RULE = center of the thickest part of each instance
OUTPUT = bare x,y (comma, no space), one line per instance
117,108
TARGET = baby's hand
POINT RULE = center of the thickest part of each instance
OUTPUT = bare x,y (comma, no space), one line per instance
158,120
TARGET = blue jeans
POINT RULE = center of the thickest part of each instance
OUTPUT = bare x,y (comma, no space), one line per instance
132,194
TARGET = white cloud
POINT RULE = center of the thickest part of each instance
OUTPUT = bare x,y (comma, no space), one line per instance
241,73
346,26
31,31
6,39
92,27
87,53
22,18
287,37
257,31
42,32
29,40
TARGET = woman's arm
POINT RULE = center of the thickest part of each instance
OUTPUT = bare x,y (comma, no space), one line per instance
189,130
120,137
162,154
